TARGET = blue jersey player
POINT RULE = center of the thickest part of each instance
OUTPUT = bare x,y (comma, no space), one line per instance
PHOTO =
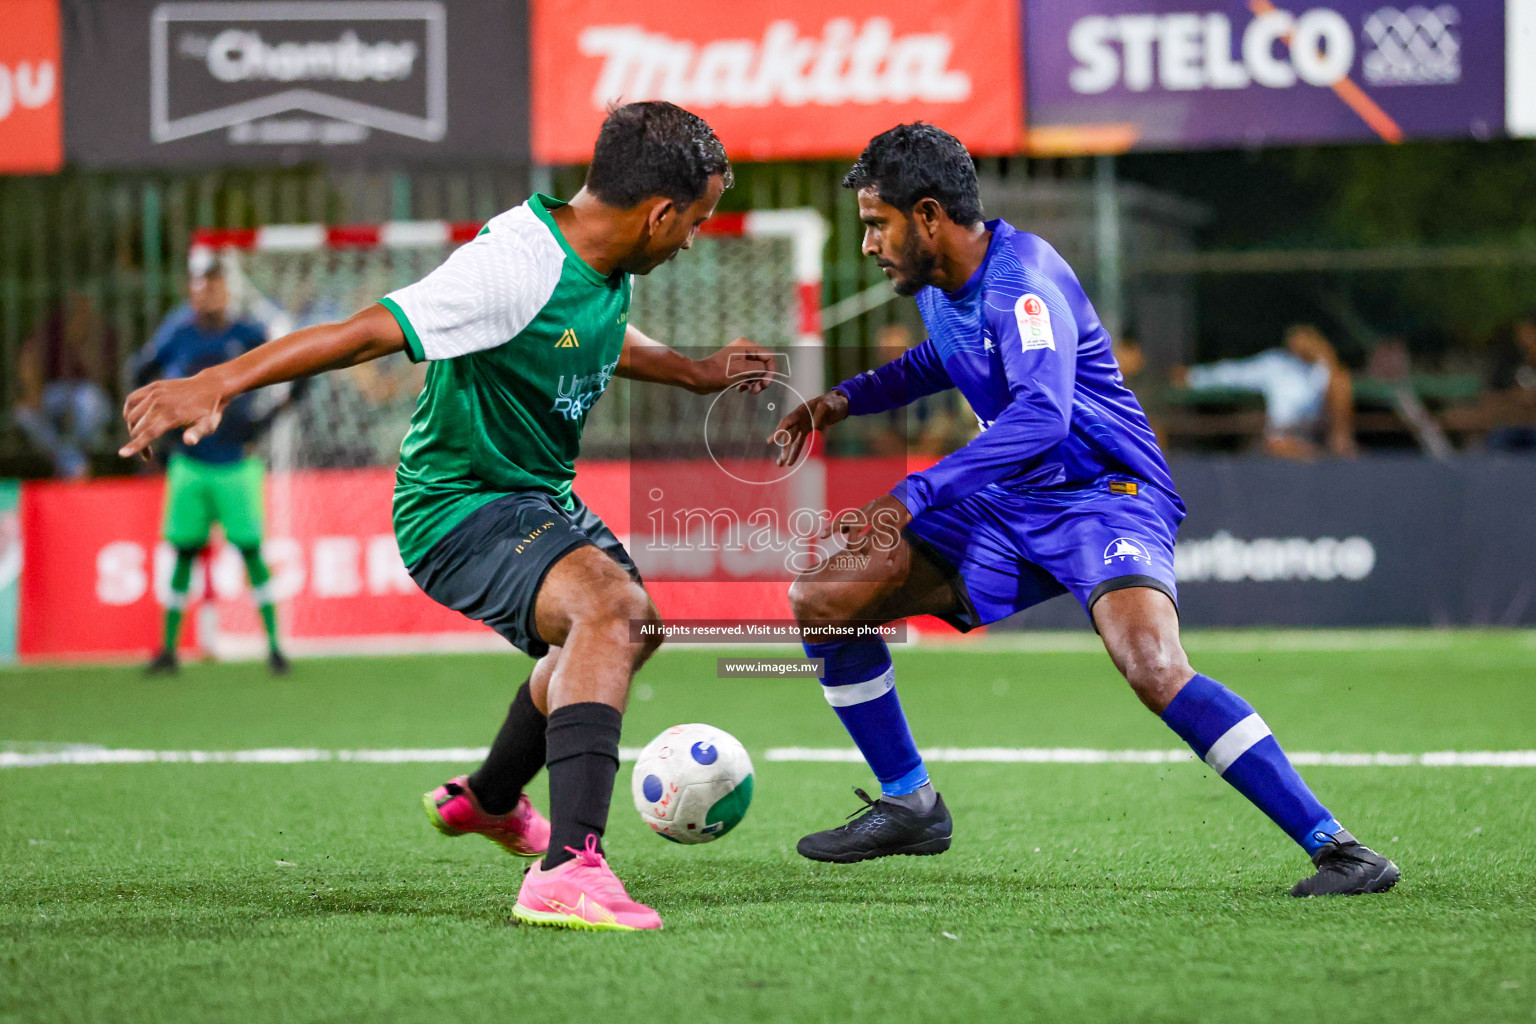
1064,491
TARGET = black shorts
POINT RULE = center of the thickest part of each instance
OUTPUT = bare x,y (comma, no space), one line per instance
490,567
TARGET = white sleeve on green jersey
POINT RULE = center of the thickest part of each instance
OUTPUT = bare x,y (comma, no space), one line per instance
485,293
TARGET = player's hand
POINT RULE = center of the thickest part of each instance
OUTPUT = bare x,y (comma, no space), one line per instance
196,403
876,526
797,426
744,365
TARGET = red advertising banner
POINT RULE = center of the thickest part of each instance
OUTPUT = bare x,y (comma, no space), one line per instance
95,573
780,81
31,88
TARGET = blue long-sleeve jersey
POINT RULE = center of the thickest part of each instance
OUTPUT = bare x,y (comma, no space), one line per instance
1024,346
180,348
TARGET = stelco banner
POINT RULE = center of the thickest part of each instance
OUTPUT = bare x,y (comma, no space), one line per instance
1117,74
31,83
792,80
227,82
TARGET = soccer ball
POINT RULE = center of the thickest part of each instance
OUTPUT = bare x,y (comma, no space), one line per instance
693,783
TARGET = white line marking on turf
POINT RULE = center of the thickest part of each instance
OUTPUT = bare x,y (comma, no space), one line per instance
1233,641
1078,755
266,755
18,755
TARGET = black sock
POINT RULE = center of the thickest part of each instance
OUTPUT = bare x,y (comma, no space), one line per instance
516,756
583,753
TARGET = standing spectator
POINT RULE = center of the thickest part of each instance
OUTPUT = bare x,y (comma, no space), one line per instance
62,367
1512,386
217,479
1308,394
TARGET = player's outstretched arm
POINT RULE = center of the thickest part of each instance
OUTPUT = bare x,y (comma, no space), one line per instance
913,375
742,364
197,403
795,429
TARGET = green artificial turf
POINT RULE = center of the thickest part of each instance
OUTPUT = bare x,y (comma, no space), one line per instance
1116,892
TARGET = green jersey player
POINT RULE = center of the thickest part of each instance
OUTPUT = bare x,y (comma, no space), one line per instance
523,328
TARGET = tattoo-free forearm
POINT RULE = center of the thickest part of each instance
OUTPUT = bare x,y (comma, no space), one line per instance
370,334
646,359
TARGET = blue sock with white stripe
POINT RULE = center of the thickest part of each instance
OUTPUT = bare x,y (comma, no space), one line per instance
1230,737
860,684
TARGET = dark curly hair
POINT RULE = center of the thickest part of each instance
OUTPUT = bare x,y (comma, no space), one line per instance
919,161
654,149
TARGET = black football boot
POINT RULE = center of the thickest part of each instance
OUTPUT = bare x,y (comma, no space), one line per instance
1345,868
881,829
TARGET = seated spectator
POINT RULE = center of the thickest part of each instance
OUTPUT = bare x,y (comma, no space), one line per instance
1308,394
64,408
1512,386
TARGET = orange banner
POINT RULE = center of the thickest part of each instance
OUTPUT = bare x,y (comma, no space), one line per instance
780,81
31,88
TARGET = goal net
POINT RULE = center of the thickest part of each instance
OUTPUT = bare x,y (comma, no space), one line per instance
336,439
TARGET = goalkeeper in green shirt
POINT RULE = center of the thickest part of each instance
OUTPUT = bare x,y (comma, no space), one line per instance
523,328
216,479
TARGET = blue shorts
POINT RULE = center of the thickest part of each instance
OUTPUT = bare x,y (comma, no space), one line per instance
1007,551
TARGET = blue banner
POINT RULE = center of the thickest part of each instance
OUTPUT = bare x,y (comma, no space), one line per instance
1109,75
1383,541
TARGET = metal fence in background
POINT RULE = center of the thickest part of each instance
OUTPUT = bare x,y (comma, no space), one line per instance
112,247
856,296
119,240
115,243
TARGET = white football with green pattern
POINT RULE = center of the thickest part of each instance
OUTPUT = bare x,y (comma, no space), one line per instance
693,783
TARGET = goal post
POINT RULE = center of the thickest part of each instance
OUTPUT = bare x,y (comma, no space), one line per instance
333,448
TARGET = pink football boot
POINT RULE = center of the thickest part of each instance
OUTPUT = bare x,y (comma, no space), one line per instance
522,831
581,893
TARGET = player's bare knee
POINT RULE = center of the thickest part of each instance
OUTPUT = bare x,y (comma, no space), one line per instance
1154,665
802,597
818,602
648,626
611,607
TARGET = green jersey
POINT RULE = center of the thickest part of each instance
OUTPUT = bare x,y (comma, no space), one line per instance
523,337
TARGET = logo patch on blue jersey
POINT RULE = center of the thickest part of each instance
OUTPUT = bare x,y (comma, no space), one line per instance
1124,547
1034,323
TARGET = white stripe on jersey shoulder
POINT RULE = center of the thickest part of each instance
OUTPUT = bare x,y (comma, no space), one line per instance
488,290
521,224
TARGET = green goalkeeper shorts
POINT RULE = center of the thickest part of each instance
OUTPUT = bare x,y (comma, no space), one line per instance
198,494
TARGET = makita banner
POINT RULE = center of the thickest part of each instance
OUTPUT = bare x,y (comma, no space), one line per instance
31,87
1108,75
1372,542
226,81
780,81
